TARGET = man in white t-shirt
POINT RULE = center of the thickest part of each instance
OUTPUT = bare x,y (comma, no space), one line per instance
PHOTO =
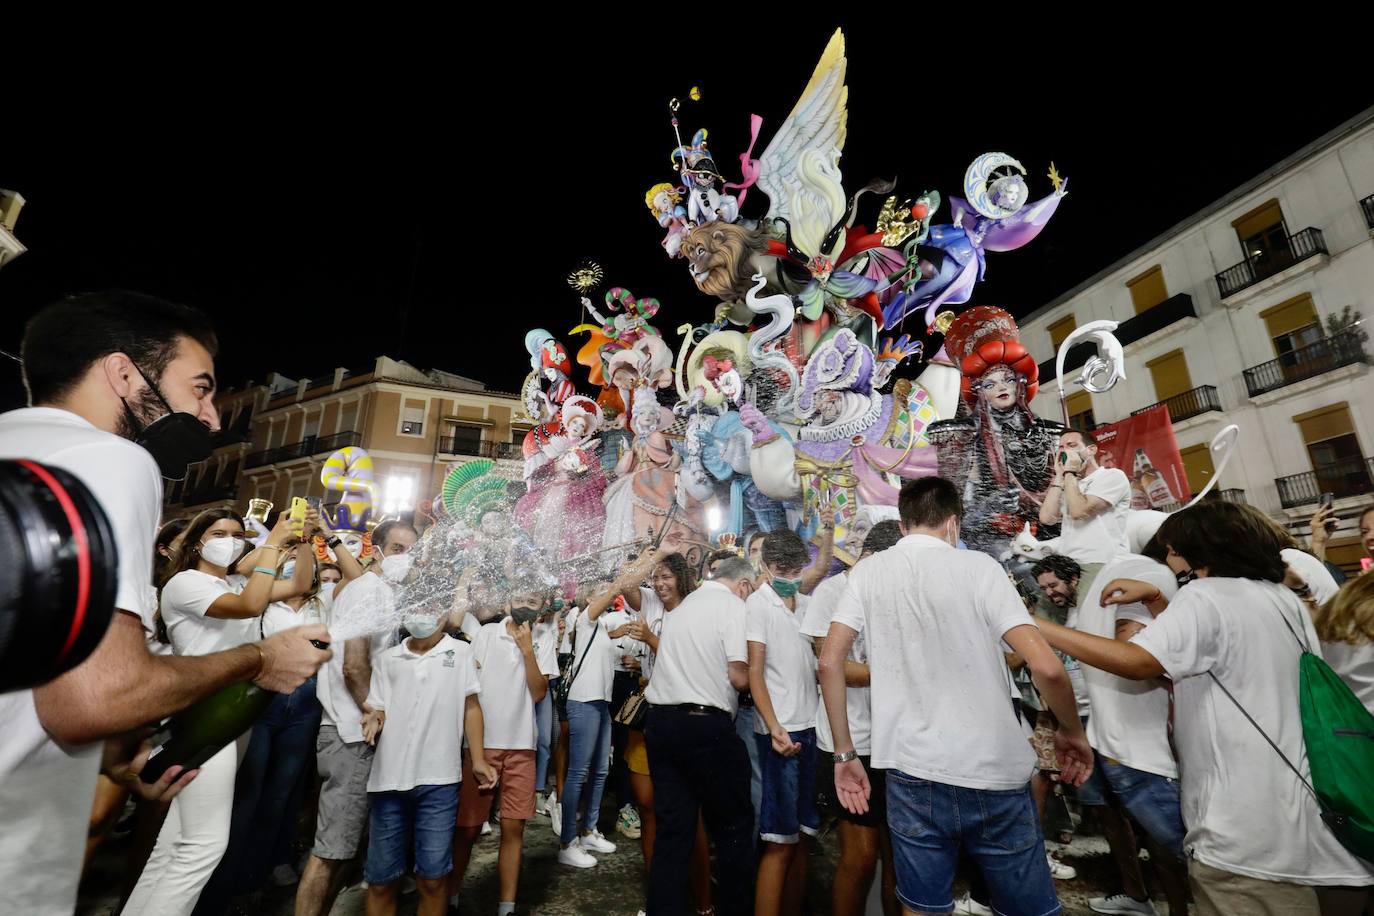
1135,772
513,682
782,680
343,758
103,369
417,689
862,836
937,620
699,764
1089,500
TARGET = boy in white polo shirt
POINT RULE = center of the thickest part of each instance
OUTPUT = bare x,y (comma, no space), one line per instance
782,679
413,787
513,681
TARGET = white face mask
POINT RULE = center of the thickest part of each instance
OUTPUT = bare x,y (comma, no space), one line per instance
221,551
395,567
421,626
327,590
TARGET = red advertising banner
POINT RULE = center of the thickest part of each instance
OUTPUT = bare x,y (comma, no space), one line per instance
1144,447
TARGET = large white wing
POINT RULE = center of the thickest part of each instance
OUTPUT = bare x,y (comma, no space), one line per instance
818,124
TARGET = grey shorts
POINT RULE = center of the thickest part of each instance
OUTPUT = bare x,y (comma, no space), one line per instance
344,769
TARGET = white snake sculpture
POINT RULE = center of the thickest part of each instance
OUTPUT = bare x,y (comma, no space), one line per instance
781,307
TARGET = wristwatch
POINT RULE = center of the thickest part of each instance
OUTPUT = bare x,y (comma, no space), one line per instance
333,542
846,756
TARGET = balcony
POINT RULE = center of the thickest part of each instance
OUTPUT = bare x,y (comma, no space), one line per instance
1346,478
1230,496
1171,310
212,494
1367,205
306,448
1297,248
1343,349
1188,404
506,451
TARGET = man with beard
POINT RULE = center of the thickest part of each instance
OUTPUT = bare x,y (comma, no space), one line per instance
103,369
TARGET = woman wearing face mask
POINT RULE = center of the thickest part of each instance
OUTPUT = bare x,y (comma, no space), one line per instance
1231,640
671,582
266,799
208,609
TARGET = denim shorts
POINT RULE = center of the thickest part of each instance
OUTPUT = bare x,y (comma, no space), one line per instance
430,814
788,806
1151,800
930,822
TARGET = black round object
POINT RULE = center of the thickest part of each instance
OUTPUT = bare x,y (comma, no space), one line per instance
58,573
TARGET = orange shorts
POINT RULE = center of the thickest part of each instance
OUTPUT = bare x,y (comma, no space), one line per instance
636,753
515,774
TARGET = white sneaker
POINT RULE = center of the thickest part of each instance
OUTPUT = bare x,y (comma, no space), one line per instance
595,842
627,824
284,876
1121,904
966,904
486,827
576,856
555,812
1061,871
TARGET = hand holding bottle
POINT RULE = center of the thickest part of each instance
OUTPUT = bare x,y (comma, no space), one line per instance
292,657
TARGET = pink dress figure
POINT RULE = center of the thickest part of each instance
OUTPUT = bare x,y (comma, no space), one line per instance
562,510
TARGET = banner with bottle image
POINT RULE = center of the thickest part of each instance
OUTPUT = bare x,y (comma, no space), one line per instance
1143,445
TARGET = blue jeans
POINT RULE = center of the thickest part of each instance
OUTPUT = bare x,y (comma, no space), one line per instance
589,760
543,728
999,829
744,727
430,813
266,804
789,790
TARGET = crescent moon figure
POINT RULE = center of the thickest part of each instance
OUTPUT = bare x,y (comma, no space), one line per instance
981,174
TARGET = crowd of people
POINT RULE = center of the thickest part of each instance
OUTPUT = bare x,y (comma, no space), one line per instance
926,700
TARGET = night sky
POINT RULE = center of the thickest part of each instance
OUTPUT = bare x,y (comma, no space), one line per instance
327,206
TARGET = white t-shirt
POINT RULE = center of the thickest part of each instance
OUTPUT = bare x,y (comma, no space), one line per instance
545,634
507,707
651,611
1313,572
1102,537
789,664
1130,719
185,599
596,676
424,696
362,597
858,700
1245,810
1355,665
935,617
149,620
281,616
700,637
46,789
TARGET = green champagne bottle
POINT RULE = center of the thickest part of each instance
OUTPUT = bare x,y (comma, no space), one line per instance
197,733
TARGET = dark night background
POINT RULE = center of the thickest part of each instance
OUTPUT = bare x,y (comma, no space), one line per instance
333,202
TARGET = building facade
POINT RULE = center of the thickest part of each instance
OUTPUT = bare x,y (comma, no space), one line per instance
415,425
1248,312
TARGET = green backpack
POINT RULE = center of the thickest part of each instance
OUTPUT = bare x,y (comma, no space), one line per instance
1339,734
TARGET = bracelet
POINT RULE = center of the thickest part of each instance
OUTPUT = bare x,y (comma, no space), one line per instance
846,756
264,569
270,547
262,658
333,542
1055,486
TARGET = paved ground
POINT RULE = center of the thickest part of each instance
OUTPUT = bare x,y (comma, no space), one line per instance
613,888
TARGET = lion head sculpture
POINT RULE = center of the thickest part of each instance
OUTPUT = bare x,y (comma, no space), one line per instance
721,258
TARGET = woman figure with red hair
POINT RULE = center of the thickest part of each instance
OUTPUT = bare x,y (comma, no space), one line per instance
996,448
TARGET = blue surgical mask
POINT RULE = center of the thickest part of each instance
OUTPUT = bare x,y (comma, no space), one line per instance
786,588
288,569
421,626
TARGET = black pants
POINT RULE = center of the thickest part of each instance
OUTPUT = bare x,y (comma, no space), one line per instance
618,780
699,767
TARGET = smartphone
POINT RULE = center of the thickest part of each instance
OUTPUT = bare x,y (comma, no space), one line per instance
314,502
1327,500
298,507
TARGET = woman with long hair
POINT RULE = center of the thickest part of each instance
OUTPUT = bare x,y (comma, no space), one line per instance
208,608
1345,626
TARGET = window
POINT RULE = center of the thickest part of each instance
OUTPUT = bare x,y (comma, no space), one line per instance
312,426
413,417
1263,234
1060,330
275,433
1292,325
466,440
1148,290
1080,405
348,418
1197,464
1334,450
1170,373
230,473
